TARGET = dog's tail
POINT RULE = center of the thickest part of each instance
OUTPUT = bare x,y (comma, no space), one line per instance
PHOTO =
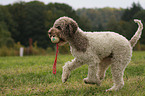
137,35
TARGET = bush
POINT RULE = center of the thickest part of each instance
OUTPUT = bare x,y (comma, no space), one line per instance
50,51
139,47
143,47
5,51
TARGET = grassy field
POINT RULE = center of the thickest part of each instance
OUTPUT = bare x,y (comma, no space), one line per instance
32,76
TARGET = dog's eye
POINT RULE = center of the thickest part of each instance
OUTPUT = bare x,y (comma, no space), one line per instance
58,27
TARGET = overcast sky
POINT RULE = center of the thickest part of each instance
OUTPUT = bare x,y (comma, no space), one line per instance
86,3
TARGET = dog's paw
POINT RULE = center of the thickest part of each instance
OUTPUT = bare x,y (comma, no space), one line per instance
87,81
115,88
110,90
64,80
64,77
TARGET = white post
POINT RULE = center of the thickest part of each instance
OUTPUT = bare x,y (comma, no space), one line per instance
21,51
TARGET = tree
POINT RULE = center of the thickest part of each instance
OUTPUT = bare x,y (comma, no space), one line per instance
98,18
18,15
141,16
135,12
5,20
33,19
35,24
130,12
30,23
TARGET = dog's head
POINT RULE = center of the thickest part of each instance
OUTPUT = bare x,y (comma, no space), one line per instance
64,28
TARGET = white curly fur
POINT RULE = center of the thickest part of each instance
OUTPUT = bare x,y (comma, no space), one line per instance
104,49
101,46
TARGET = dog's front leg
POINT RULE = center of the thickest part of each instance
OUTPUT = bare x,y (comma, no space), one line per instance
92,78
68,67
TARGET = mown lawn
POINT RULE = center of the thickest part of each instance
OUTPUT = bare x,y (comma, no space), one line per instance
32,76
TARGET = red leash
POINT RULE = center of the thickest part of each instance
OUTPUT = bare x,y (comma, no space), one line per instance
54,65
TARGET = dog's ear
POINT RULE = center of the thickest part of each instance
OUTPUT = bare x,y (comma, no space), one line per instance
71,28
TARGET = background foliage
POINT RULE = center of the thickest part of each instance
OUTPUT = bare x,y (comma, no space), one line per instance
21,21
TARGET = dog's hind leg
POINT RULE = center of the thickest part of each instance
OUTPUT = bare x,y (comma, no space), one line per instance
68,67
119,63
103,66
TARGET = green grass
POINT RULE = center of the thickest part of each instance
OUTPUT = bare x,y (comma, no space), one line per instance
32,76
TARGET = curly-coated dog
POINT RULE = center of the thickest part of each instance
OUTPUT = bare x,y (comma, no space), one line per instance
97,49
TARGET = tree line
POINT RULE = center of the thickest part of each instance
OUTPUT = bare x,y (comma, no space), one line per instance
21,21
117,20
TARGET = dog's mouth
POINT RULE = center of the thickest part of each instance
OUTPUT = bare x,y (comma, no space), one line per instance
62,42
53,32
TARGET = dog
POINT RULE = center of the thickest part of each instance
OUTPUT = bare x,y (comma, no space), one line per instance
98,50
